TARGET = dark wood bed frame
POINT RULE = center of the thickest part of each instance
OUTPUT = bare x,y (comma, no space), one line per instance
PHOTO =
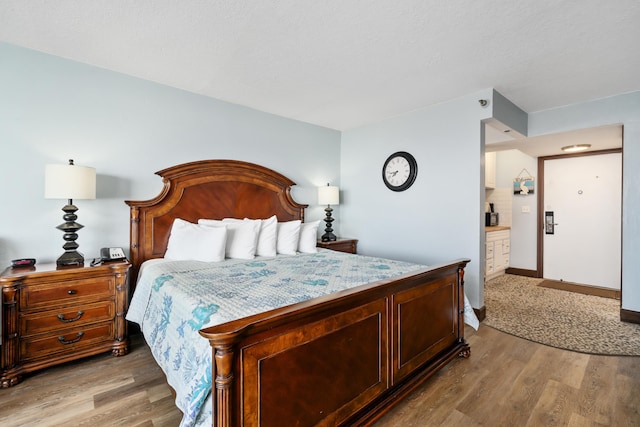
342,359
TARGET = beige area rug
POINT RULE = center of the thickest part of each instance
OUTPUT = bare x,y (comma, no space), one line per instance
568,320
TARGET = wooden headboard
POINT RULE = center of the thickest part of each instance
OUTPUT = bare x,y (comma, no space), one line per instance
208,189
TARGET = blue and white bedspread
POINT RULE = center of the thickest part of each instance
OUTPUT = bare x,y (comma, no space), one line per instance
175,299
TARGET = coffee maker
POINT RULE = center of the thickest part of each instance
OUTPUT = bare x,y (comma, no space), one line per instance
490,217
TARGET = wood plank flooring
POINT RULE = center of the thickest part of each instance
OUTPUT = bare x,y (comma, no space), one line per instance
507,381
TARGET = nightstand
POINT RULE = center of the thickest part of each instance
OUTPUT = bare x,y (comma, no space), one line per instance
340,245
52,315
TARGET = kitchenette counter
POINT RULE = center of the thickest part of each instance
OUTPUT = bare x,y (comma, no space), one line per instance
497,228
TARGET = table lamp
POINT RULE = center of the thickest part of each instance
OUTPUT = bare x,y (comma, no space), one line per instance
328,195
70,182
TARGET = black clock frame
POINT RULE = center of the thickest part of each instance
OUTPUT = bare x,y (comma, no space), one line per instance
413,171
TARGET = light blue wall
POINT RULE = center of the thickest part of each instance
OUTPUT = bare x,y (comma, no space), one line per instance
624,109
52,109
524,226
438,219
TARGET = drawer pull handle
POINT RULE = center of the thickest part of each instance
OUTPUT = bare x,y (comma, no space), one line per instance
62,319
72,292
75,340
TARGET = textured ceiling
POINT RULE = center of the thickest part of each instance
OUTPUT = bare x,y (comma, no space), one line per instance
343,64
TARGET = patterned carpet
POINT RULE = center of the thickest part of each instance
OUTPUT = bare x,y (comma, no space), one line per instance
572,321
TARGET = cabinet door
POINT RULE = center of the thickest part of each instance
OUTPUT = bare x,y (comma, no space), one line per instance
498,256
489,258
506,246
490,170
489,269
490,250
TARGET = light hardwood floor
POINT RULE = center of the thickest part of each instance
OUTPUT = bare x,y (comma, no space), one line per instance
507,381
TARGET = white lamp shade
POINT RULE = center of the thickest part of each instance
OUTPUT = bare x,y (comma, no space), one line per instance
328,195
69,182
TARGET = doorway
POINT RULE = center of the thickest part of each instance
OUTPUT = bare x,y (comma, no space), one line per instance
580,218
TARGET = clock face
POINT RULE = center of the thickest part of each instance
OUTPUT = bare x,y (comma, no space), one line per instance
399,171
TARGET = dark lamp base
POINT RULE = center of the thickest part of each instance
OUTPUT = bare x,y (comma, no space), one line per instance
70,227
72,258
328,237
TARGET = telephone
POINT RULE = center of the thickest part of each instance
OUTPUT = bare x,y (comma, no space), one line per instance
112,254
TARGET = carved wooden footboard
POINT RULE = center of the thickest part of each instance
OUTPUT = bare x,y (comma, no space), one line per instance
343,359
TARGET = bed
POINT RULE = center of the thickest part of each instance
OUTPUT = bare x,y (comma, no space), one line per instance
341,339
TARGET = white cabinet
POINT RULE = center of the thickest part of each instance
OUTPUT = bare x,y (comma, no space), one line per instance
498,245
490,170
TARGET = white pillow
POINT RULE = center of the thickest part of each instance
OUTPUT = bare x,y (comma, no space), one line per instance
263,246
268,237
308,237
242,236
288,237
189,241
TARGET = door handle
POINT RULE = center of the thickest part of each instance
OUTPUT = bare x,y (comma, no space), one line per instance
549,224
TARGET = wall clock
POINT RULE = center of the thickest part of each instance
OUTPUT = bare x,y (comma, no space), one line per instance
399,171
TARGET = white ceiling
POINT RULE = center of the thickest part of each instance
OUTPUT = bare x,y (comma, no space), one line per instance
347,63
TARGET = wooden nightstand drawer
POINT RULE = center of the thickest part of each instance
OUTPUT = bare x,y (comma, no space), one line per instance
65,341
36,323
65,292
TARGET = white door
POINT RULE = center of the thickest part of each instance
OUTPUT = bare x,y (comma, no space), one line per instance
584,195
